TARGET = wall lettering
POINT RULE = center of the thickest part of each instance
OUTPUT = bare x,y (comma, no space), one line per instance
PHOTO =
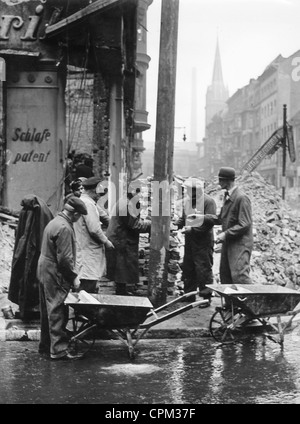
31,157
12,21
31,135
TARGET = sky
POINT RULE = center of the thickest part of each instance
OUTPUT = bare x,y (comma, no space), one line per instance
251,34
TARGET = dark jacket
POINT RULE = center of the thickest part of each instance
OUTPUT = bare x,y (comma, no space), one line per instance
57,262
24,288
236,218
123,231
202,235
124,226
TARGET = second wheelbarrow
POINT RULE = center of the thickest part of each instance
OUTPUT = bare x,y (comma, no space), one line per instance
245,305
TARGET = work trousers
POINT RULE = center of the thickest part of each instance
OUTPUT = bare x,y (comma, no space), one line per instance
126,274
54,318
197,267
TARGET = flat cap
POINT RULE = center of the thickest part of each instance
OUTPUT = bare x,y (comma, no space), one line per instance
226,173
74,204
91,182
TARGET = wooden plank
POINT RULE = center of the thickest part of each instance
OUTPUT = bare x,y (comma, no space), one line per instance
8,217
100,5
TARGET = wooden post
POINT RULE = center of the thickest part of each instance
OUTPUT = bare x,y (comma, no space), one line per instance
163,154
284,153
3,142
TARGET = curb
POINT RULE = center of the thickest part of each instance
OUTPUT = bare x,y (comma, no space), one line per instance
15,333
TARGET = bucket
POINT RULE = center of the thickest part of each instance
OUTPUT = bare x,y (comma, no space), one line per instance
8,312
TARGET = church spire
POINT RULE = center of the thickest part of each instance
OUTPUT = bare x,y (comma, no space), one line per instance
217,74
217,93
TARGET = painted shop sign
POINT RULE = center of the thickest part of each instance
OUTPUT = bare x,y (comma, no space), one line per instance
27,26
29,136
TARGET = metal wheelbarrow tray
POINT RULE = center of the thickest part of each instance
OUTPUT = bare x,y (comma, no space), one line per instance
245,305
127,317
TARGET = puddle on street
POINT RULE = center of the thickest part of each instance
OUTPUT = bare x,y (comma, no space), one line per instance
175,371
131,369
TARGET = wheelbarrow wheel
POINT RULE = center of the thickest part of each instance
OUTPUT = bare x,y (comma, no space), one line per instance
83,336
224,327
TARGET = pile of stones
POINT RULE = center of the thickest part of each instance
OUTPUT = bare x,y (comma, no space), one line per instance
276,227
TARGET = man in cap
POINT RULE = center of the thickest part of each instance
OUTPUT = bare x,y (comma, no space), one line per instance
236,236
124,228
56,272
199,239
91,240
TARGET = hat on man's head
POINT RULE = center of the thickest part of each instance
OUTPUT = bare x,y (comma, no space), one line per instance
74,204
91,182
226,173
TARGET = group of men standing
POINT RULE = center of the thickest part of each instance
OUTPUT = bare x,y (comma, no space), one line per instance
76,252
73,255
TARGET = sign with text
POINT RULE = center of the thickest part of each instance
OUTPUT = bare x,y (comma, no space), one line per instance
35,138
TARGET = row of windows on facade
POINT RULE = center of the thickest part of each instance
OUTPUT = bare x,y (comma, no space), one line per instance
266,111
268,88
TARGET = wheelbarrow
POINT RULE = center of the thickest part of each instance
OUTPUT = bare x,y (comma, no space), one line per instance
252,305
127,317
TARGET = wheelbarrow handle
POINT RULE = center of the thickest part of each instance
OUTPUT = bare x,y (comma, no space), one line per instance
172,302
172,314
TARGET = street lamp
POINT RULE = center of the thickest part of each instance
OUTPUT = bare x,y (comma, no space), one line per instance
184,135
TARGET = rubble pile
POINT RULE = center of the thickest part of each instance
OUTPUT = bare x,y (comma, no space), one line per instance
275,258
174,283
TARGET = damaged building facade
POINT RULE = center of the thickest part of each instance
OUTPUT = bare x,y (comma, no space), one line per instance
251,115
75,80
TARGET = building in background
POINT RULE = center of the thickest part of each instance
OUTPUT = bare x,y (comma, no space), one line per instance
216,97
251,115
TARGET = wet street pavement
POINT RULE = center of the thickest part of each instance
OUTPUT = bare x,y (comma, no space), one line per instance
174,371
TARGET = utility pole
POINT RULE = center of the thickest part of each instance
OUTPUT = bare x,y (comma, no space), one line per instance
163,154
3,131
284,153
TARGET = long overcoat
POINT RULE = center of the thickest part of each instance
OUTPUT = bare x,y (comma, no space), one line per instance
24,287
236,220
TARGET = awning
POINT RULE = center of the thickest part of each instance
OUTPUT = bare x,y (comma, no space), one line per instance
80,16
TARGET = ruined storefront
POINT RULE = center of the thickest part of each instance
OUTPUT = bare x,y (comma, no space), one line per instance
40,41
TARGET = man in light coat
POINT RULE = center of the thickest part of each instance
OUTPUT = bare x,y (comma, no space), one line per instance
90,238
56,272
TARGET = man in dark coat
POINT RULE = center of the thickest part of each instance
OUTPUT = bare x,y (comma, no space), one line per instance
24,287
123,231
236,237
199,239
56,273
